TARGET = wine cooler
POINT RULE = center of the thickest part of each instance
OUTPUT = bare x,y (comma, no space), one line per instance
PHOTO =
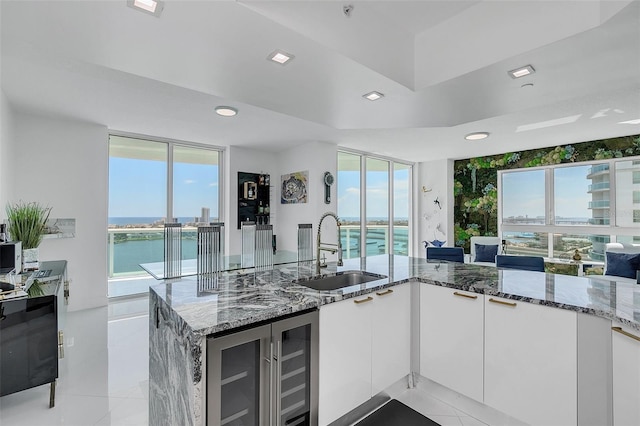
266,375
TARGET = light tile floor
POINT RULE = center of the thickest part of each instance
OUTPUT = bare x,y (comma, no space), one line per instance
104,378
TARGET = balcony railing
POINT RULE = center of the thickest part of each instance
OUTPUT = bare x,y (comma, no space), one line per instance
599,186
129,247
598,169
599,221
598,204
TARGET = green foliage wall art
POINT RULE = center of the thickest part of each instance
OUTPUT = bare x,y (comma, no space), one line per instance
476,179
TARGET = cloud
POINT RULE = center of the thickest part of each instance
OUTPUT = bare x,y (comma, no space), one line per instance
213,184
189,181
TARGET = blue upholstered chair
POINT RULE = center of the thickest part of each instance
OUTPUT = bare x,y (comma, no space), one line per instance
451,254
526,263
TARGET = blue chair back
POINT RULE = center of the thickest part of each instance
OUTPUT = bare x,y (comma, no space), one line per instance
451,254
526,263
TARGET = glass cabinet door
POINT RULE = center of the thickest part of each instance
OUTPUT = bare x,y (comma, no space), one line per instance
238,372
295,378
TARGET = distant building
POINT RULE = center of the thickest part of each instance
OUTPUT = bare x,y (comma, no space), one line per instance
599,206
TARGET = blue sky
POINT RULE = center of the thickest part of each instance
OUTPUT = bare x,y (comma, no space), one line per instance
137,188
525,192
377,194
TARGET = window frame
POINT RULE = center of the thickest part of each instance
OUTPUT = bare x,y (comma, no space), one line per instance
549,225
390,196
171,143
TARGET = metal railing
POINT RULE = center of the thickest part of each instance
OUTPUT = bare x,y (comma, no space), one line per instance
128,247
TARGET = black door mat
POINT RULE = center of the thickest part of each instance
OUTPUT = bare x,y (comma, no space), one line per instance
395,413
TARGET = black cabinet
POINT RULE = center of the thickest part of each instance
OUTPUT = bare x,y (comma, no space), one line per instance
31,335
253,198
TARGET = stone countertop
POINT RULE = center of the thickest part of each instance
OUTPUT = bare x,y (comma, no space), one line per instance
239,298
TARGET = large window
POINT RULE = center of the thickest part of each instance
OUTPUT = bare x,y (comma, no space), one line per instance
149,182
554,211
348,184
378,190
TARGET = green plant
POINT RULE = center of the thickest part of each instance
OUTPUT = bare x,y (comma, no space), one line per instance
27,223
35,289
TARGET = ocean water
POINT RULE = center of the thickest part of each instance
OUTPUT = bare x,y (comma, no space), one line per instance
128,255
121,221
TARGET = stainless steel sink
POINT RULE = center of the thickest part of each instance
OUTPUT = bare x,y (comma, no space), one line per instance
340,280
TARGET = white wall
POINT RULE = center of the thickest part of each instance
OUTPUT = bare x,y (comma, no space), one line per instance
6,165
316,158
250,161
63,164
434,222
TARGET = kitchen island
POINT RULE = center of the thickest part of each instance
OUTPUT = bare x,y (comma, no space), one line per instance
184,312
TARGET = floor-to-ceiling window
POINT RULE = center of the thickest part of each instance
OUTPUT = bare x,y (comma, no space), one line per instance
378,190
348,184
377,206
152,182
401,207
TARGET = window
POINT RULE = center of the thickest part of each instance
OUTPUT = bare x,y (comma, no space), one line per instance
378,190
575,190
348,184
377,206
523,197
150,181
572,207
626,187
401,203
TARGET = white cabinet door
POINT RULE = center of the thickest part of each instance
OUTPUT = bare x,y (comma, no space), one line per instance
626,376
531,361
391,336
345,357
451,339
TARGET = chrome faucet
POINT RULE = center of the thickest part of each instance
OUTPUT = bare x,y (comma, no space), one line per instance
328,247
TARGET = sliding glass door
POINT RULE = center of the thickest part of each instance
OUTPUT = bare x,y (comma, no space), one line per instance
378,190
150,183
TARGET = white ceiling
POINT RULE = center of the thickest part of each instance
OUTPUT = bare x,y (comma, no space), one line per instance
442,66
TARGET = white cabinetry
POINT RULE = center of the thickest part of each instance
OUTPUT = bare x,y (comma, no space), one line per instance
391,336
531,361
364,347
451,339
626,376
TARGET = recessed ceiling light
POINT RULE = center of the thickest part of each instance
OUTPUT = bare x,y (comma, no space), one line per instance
153,7
226,111
522,71
281,57
476,136
373,96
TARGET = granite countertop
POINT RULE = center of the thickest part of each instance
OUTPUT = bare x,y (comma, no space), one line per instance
237,298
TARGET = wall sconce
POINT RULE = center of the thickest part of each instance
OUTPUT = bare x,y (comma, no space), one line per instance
425,190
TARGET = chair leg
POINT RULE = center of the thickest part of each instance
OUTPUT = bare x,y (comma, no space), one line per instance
52,394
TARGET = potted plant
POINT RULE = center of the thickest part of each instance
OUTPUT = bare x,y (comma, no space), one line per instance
27,224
